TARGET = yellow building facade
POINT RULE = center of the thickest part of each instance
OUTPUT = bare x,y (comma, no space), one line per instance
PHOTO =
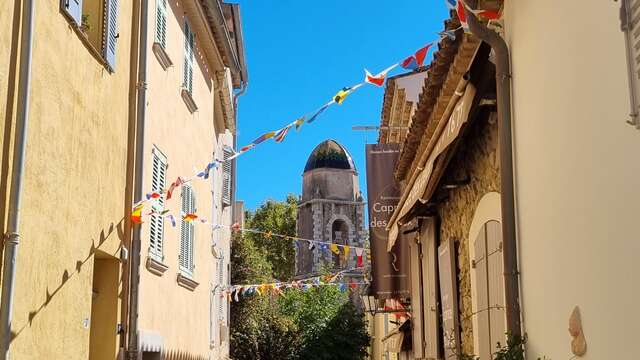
73,216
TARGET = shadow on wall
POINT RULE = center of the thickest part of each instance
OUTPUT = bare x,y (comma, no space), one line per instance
181,355
66,275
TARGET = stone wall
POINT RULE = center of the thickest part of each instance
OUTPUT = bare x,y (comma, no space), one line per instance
476,157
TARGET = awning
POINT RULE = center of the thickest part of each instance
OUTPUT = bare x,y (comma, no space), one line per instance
151,341
423,188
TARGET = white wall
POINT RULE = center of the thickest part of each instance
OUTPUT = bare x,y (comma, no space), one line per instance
577,176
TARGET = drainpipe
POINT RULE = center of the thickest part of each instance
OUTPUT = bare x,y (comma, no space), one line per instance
12,237
138,182
503,94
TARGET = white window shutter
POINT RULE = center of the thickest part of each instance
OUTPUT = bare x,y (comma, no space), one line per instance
630,21
482,296
158,182
187,231
226,178
189,45
161,23
495,277
73,8
110,36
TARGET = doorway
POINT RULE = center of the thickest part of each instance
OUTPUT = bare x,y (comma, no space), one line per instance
103,341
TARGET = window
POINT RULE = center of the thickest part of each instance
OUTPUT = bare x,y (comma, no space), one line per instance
187,231
161,23
189,42
97,20
629,13
487,270
226,177
158,182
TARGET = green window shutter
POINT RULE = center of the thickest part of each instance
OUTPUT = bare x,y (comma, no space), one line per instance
161,23
226,178
158,182
110,36
630,24
73,8
189,44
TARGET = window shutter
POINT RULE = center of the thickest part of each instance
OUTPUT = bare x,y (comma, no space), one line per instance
73,8
482,315
161,23
111,32
416,299
189,44
495,278
226,178
429,280
449,298
630,23
187,231
158,182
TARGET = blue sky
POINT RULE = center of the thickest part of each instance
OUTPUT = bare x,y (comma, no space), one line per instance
299,54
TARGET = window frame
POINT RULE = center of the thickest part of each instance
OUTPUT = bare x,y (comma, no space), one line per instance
187,267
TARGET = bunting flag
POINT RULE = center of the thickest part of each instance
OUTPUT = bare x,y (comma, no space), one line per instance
335,249
246,148
461,15
451,4
319,111
488,14
451,34
312,246
153,195
172,220
346,250
298,123
280,135
377,80
136,214
344,92
173,186
263,137
416,60
359,252
205,173
189,217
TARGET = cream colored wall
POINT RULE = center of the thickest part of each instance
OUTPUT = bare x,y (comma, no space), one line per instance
74,181
577,174
188,140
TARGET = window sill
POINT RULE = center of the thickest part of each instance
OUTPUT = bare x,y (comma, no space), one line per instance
188,100
162,56
187,282
156,266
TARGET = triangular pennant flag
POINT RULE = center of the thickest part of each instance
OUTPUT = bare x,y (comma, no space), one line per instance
451,4
205,173
359,252
189,217
136,214
312,245
421,54
280,135
263,137
298,123
488,14
173,186
172,219
342,94
319,111
247,148
378,80
153,195
346,250
461,15
335,249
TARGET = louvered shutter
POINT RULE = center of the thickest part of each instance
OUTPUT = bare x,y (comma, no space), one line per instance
73,8
161,23
482,315
189,44
495,279
158,182
187,231
110,36
431,316
416,299
226,178
630,20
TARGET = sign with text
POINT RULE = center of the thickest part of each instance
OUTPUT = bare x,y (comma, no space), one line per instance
389,276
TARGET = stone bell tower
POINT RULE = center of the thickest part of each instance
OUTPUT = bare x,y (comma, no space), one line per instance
331,209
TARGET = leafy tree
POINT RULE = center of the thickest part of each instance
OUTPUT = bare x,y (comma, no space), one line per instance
277,218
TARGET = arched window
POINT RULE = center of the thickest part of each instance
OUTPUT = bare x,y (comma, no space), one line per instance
339,235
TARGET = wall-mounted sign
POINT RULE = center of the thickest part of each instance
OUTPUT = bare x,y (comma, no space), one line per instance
389,276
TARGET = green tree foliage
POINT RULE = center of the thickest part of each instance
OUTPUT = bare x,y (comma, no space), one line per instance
278,218
317,324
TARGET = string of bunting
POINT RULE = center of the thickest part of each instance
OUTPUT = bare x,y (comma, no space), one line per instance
338,249
276,288
411,62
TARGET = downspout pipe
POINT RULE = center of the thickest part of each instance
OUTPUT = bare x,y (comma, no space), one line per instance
507,197
12,236
138,181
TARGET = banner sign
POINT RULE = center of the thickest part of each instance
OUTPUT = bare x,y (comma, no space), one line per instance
389,276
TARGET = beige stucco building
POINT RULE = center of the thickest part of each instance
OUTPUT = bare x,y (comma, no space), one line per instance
194,65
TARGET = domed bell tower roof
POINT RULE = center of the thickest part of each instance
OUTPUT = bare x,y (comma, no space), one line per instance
329,154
